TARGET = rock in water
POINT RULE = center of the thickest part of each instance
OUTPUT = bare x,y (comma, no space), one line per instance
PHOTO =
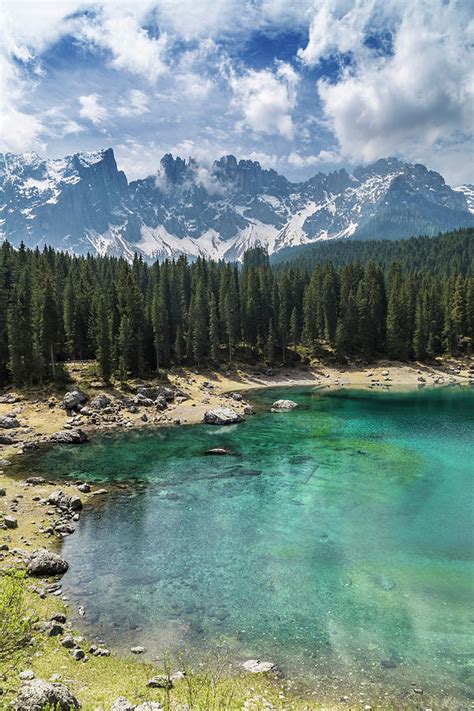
255,666
68,437
219,451
222,416
280,405
43,563
38,694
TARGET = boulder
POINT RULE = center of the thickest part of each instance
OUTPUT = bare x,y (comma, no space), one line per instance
8,423
10,521
37,695
160,681
283,405
99,402
137,650
161,403
84,488
44,563
122,704
36,480
222,416
68,437
255,666
219,451
248,410
72,399
142,401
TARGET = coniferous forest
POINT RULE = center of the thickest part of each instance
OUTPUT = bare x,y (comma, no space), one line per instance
136,319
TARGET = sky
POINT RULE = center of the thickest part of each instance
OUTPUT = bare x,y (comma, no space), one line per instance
300,85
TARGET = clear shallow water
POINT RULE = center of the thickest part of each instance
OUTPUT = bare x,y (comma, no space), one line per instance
337,541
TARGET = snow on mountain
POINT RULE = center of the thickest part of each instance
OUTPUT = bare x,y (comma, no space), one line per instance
468,192
83,203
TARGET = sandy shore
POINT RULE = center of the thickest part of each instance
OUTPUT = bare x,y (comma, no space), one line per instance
39,414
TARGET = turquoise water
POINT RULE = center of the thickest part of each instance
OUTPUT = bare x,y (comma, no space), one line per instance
337,541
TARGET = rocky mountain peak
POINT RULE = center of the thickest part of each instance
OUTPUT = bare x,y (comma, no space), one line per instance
84,203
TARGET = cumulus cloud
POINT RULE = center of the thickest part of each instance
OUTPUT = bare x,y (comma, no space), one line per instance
266,98
92,110
417,100
119,31
297,160
135,104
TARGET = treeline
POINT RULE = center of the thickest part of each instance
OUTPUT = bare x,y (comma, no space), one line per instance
450,254
136,319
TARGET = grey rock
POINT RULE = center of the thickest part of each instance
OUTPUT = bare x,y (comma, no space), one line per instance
10,521
122,704
248,410
75,503
137,650
222,416
149,706
43,563
219,451
255,666
72,436
4,463
8,423
283,405
36,480
36,695
160,681
84,488
99,402
78,654
72,399
27,675
3,491
52,629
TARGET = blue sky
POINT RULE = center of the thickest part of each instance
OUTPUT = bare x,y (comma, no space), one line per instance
301,85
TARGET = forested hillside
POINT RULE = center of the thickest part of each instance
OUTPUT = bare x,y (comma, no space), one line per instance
449,254
136,319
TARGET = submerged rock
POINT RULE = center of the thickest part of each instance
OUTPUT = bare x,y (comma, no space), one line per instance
37,695
222,416
219,451
255,666
282,405
44,563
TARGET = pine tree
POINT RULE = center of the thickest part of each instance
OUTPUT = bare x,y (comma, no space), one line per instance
104,346
271,344
214,340
49,325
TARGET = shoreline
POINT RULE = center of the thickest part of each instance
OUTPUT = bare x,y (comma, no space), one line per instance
39,414
204,391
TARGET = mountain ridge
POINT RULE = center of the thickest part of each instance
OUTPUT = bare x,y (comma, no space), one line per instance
84,203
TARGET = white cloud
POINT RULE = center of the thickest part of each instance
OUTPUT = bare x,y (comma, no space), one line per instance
136,104
297,160
266,98
417,102
119,31
91,109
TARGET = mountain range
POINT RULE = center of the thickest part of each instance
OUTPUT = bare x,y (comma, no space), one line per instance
84,203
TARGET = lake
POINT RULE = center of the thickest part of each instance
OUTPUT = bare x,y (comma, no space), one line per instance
337,541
